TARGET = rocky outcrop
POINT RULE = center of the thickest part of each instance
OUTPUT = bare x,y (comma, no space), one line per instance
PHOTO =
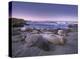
15,22
38,41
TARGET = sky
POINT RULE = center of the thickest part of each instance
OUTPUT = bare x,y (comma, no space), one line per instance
44,12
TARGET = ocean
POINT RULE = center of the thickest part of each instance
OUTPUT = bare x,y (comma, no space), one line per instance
46,25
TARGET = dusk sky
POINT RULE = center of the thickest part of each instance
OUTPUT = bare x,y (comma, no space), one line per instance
44,12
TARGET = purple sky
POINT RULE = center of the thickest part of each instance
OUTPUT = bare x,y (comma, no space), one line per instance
44,12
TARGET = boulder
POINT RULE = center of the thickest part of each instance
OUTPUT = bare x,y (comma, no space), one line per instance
38,41
54,39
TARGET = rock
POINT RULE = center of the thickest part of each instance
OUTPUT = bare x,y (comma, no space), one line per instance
38,41
54,39
61,32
